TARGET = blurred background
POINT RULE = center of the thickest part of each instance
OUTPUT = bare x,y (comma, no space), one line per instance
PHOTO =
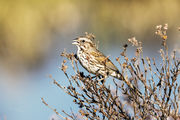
33,33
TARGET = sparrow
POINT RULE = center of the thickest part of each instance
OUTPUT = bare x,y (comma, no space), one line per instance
94,61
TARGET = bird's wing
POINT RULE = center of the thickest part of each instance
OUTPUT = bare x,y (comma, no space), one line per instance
102,59
111,66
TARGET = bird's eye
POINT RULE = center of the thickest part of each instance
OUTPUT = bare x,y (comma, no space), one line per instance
83,41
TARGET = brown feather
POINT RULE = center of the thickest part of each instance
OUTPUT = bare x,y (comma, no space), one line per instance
104,60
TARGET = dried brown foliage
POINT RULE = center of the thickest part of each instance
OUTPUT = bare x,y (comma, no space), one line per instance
157,81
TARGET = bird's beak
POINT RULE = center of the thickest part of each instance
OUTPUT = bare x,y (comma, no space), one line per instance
76,41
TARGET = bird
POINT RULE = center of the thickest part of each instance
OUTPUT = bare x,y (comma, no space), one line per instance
94,61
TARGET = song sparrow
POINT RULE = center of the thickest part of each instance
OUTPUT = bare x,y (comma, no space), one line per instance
94,61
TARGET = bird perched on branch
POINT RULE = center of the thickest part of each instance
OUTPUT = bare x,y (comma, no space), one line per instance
94,61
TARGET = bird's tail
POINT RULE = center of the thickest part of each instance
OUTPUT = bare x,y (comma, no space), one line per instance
130,85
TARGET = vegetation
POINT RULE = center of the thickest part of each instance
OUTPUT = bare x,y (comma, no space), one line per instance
158,82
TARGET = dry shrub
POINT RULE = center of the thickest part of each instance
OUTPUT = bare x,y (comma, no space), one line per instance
157,81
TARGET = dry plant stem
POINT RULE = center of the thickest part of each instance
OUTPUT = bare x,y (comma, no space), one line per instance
156,95
60,116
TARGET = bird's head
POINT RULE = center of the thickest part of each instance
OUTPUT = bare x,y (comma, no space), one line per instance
84,42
